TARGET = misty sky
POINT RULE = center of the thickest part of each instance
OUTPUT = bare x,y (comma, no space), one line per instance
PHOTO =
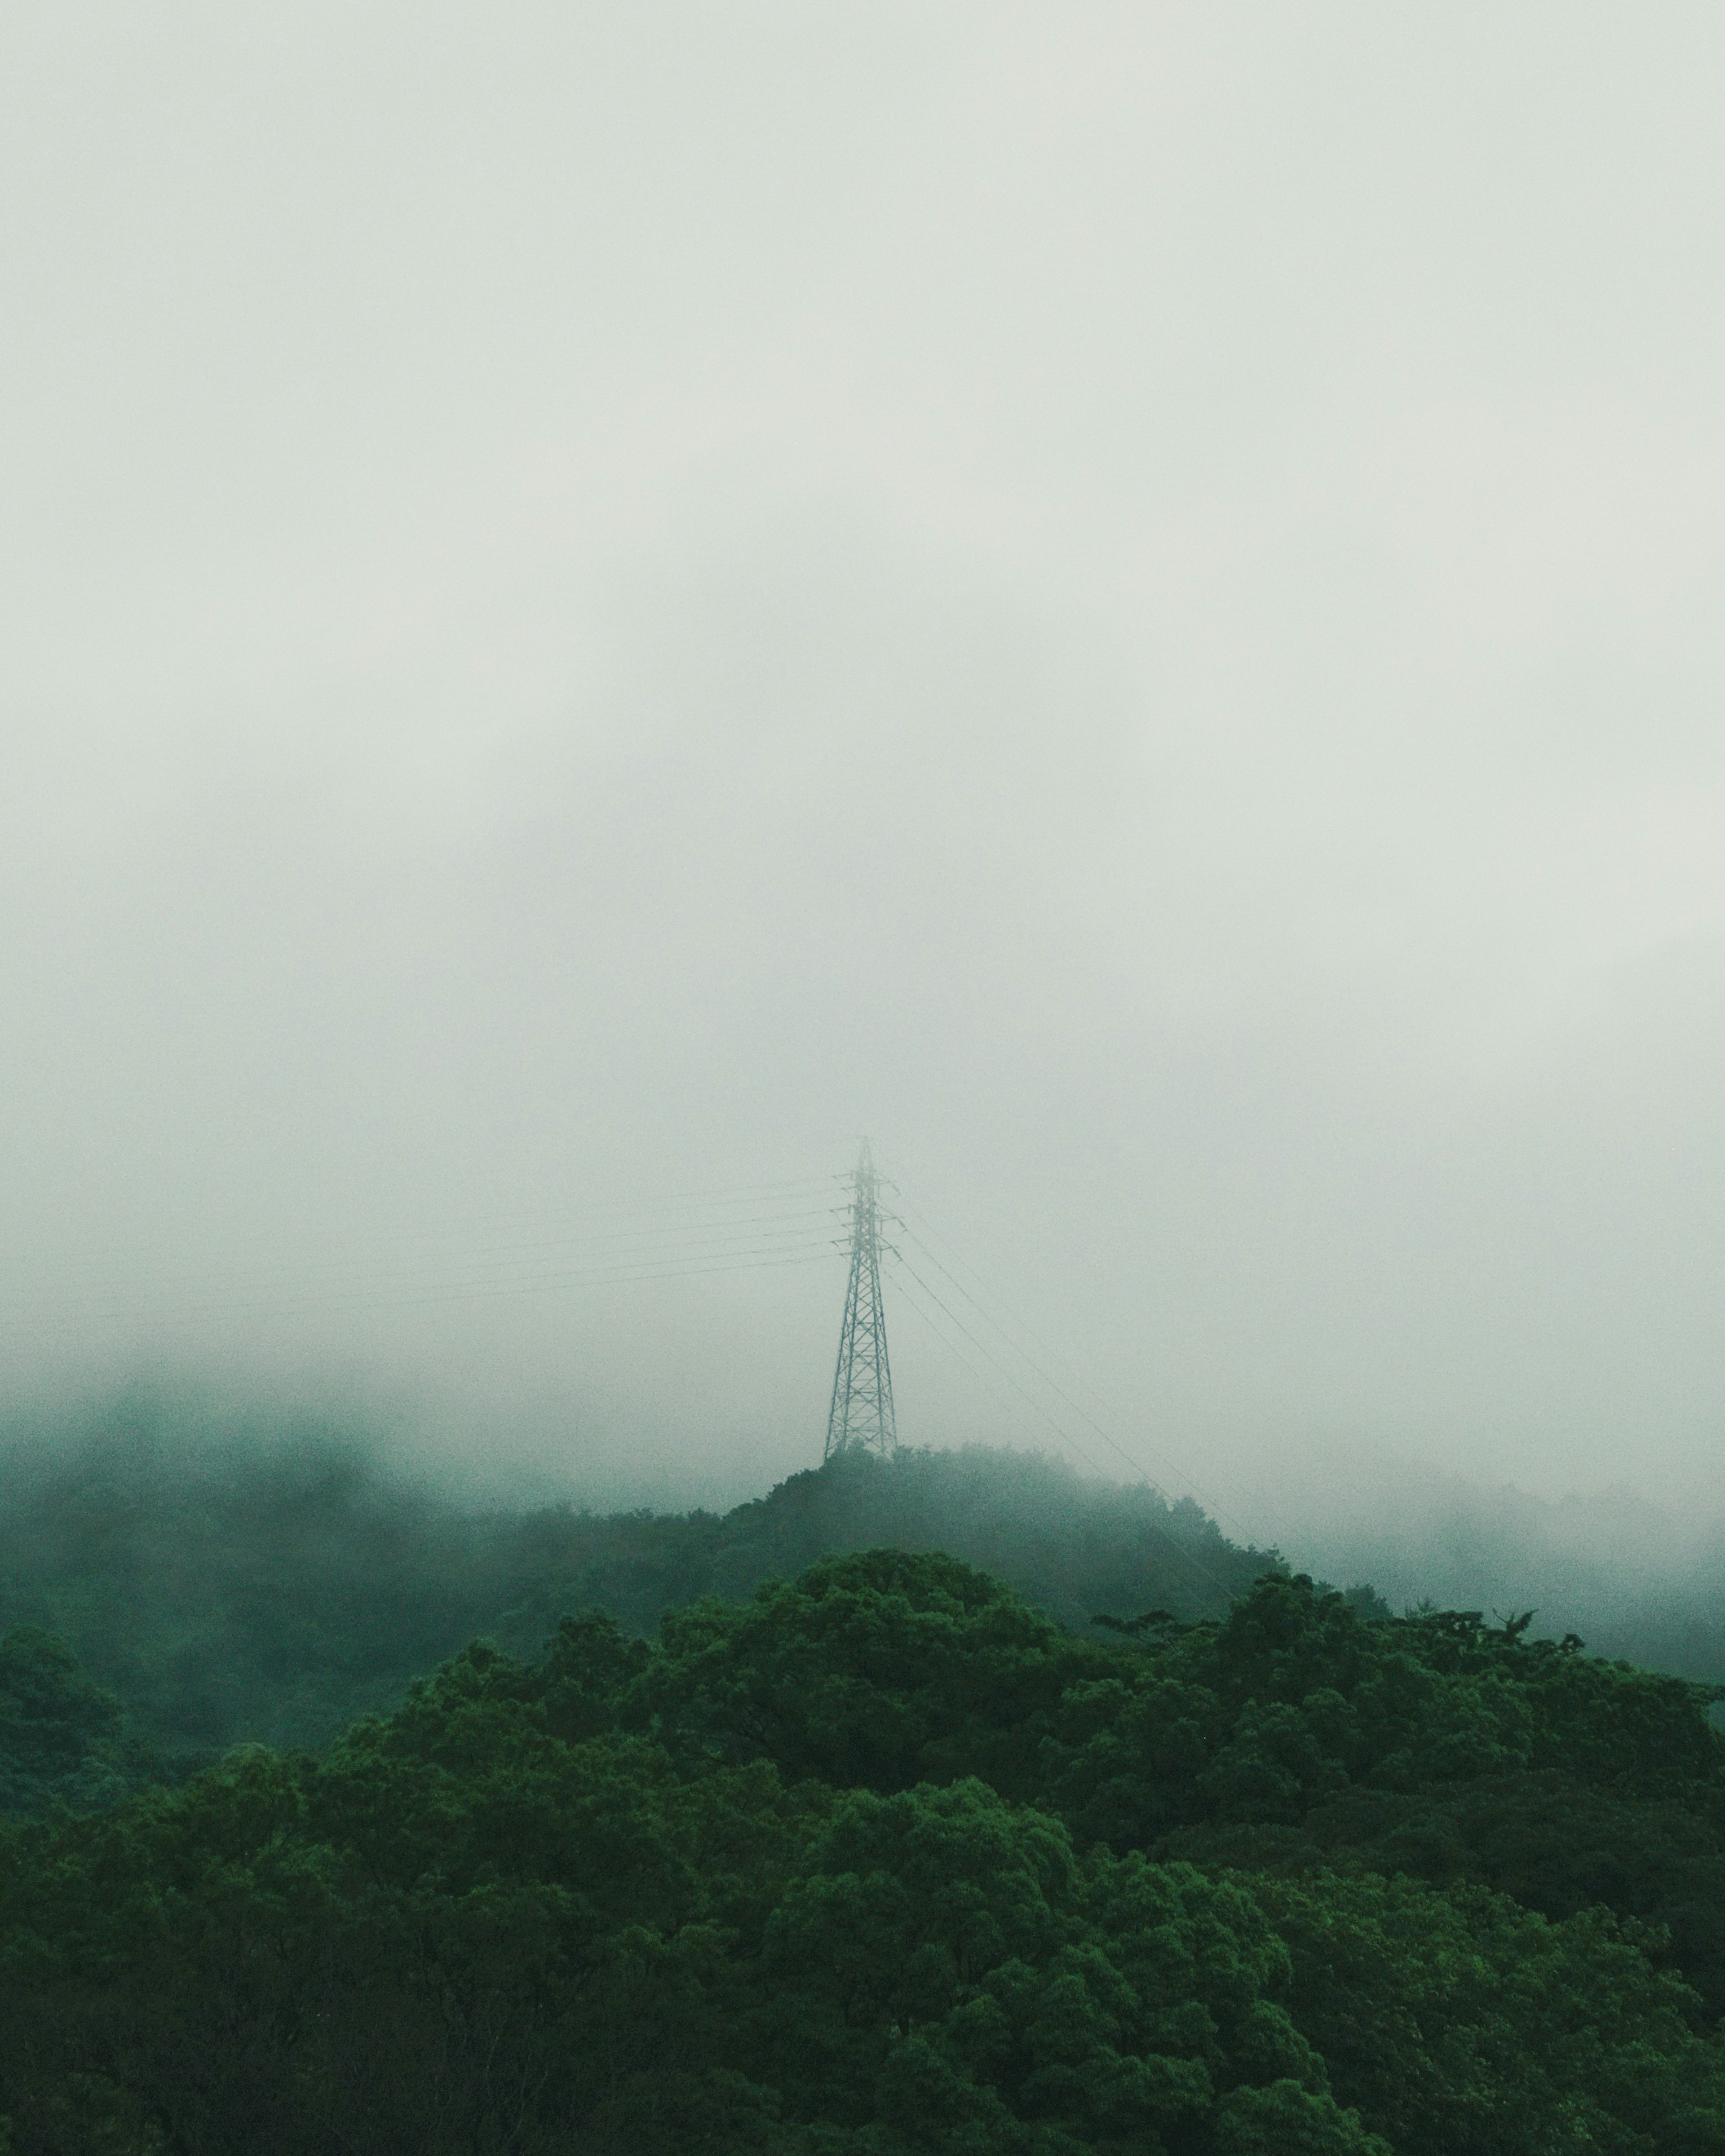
599,600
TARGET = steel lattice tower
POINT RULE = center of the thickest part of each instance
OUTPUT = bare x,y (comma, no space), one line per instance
861,1413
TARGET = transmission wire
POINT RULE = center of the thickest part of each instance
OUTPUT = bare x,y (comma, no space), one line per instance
1196,1562
1217,1510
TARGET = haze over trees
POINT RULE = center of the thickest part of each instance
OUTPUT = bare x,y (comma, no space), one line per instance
272,1583
719,1843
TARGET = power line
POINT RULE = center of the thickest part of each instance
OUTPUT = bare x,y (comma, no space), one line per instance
527,1270
446,1292
1167,1534
1059,1392
902,1277
707,1199
665,1235
758,1231
1205,1498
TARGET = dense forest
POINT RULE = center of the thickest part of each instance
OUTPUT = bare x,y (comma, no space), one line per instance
883,1861
854,1854
275,1583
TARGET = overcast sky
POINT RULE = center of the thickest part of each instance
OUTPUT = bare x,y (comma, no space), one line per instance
599,600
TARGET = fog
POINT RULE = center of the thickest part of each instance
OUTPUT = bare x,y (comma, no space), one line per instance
601,600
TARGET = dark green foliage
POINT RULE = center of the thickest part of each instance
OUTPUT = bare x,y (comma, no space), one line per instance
230,1589
883,1862
61,1738
272,1585
1461,2022
1071,1548
872,1671
1295,1738
866,1852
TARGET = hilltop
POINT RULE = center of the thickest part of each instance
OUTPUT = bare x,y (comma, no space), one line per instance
248,1590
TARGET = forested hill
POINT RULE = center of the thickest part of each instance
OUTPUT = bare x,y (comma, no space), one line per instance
881,1861
230,1590
861,1854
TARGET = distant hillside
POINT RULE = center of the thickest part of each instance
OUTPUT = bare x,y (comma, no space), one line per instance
1633,1579
274,1586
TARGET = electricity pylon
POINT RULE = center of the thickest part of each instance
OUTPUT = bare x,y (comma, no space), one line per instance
861,1416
